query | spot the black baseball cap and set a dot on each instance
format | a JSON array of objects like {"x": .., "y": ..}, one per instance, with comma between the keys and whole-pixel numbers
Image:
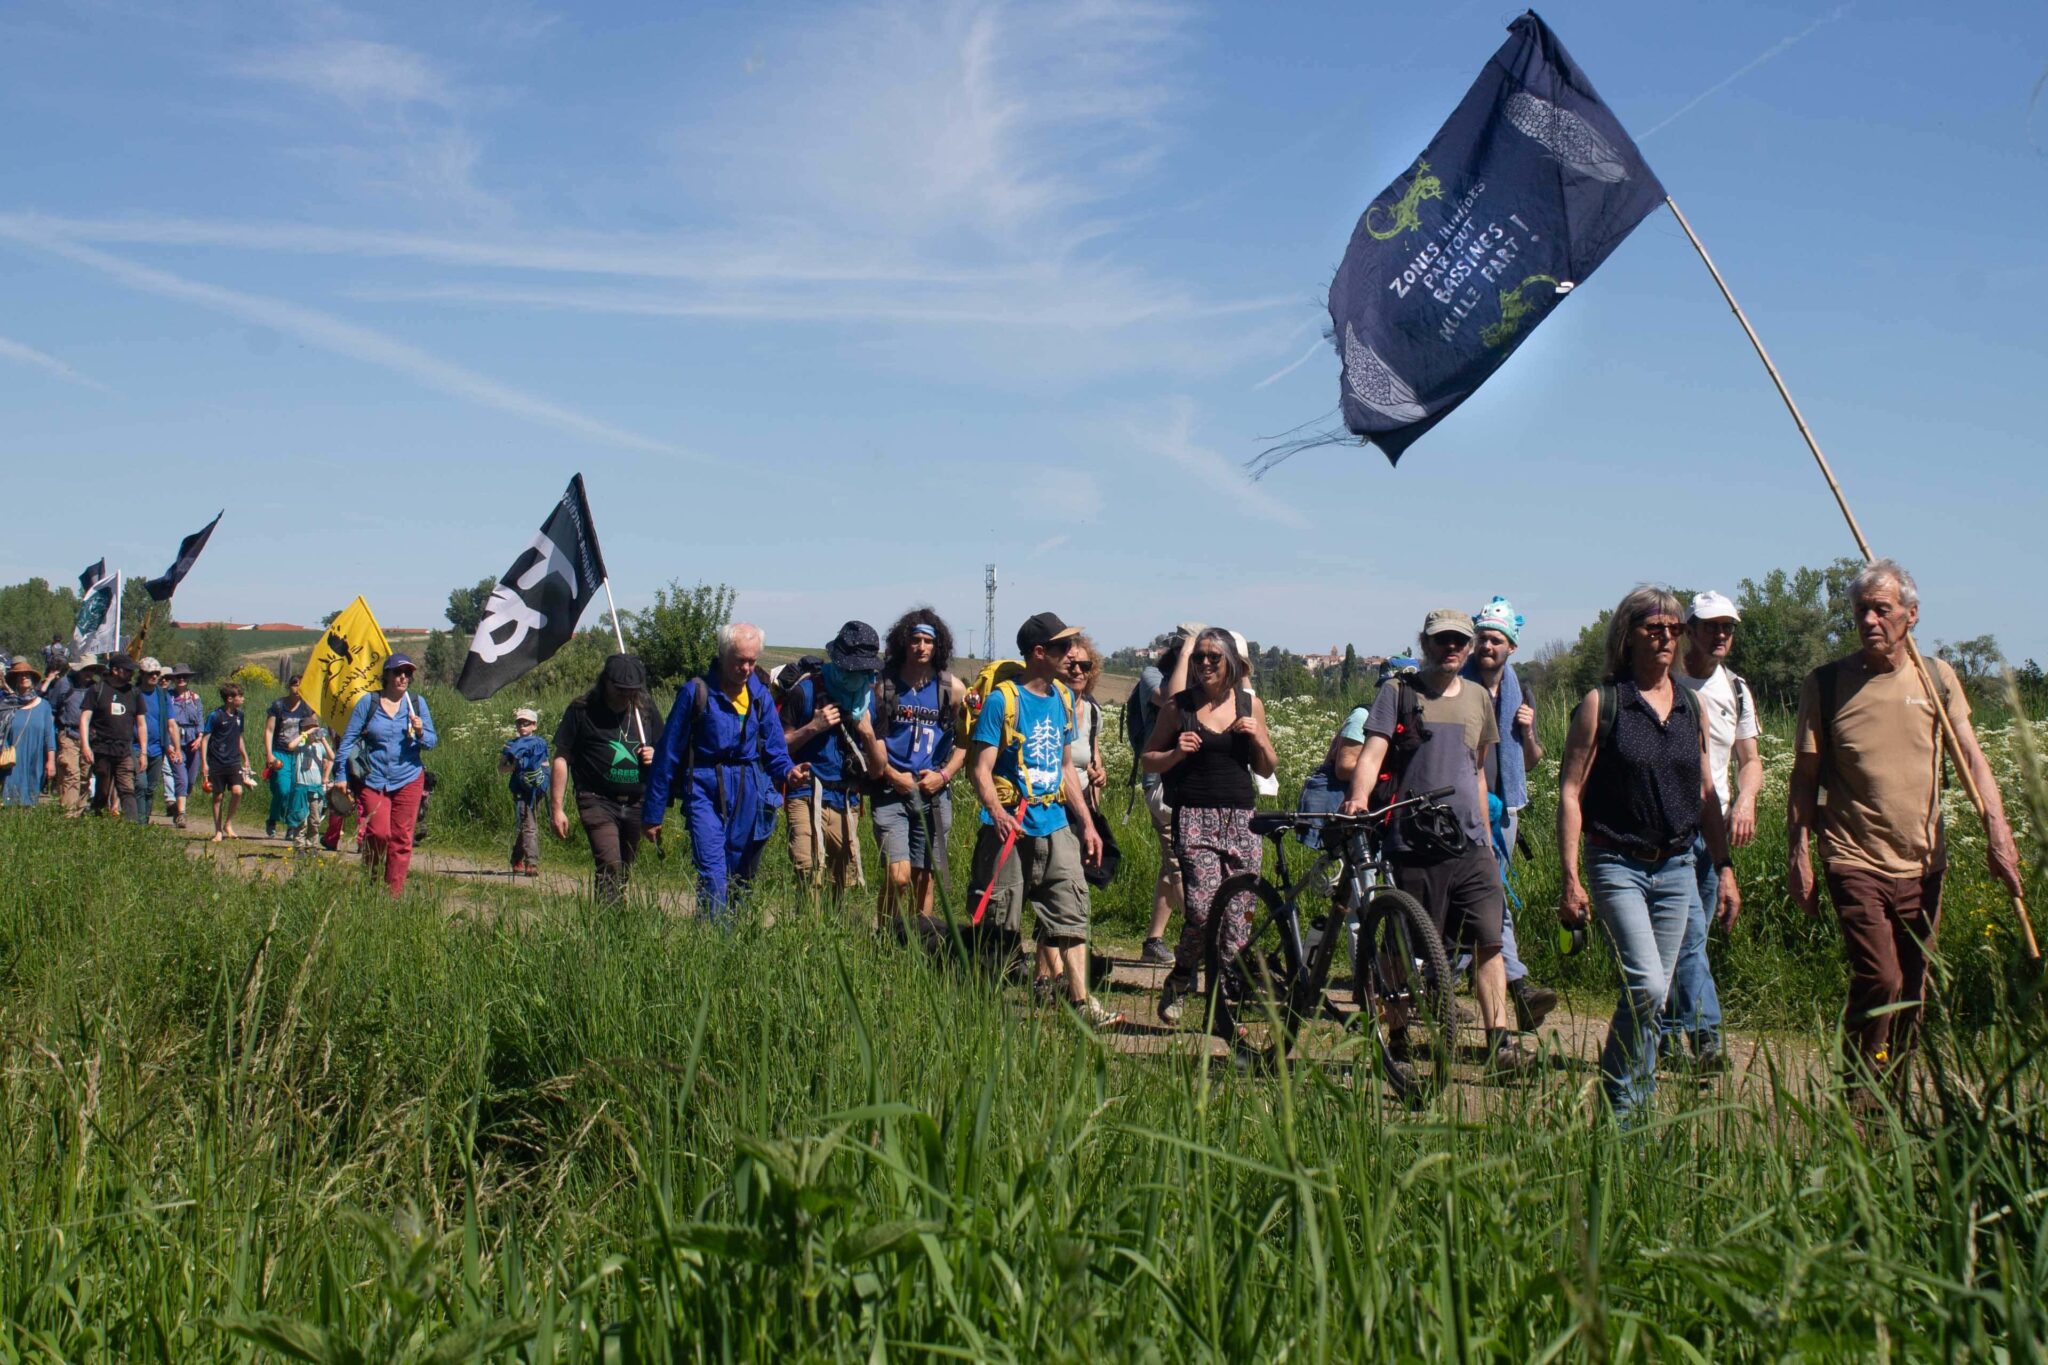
[
  {"x": 121, "y": 661},
  {"x": 624, "y": 672},
  {"x": 1043, "y": 629},
  {"x": 856, "y": 648}
]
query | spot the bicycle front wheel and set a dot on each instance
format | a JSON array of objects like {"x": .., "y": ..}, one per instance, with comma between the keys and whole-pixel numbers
[
  {"x": 1407, "y": 976},
  {"x": 1252, "y": 999}
]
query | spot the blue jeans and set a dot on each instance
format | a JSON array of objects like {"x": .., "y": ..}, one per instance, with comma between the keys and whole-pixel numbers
[
  {"x": 1644, "y": 908},
  {"x": 1509, "y": 958},
  {"x": 1694, "y": 1009}
]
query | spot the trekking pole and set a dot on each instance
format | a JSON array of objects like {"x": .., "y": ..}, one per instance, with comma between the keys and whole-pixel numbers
[
  {"x": 1950, "y": 741},
  {"x": 1009, "y": 842}
]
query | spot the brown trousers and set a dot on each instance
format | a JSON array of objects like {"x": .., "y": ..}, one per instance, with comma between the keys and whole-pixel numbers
[
  {"x": 841, "y": 830},
  {"x": 1888, "y": 924},
  {"x": 613, "y": 828},
  {"x": 72, "y": 776}
]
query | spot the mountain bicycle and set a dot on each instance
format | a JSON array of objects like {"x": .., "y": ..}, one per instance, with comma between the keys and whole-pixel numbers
[{"x": 1281, "y": 980}]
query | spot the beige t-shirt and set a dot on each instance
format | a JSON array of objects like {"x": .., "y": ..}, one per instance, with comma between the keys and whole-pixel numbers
[{"x": 1881, "y": 796}]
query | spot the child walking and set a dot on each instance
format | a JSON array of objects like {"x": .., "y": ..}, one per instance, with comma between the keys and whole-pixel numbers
[
  {"x": 525, "y": 758},
  {"x": 223, "y": 758}
]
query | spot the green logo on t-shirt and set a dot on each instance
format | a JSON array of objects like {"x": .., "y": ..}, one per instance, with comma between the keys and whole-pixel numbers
[{"x": 625, "y": 765}]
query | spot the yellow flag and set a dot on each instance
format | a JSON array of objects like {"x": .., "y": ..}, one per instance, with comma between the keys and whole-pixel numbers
[{"x": 348, "y": 662}]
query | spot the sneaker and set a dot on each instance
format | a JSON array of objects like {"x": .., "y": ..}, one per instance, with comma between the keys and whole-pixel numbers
[
  {"x": 1095, "y": 1014},
  {"x": 1155, "y": 953},
  {"x": 178, "y": 820},
  {"x": 1169, "y": 999},
  {"x": 1510, "y": 1060},
  {"x": 1533, "y": 1004}
]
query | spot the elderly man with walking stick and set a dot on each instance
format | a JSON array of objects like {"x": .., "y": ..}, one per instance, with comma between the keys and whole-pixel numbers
[{"x": 1870, "y": 737}]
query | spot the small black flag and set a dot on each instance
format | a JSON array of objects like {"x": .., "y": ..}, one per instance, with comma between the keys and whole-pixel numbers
[
  {"x": 160, "y": 589},
  {"x": 534, "y": 609},
  {"x": 92, "y": 576},
  {"x": 1519, "y": 196}
]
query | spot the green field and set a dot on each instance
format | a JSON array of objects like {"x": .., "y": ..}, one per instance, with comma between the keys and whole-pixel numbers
[{"x": 292, "y": 1119}]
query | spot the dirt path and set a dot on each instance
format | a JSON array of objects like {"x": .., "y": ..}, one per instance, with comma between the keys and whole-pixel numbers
[{"x": 1568, "y": 1042}]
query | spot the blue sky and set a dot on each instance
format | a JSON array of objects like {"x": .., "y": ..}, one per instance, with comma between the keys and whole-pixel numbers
[{"x": 838, "y": 303}]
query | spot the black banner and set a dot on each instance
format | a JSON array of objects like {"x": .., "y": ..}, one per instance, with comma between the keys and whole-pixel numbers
[
  {"x": 1527, "y": 188},
  {"x": 160, "y": 589},
  {"x": 91, "y": 576},
  {"x": 534, "y": 609}
]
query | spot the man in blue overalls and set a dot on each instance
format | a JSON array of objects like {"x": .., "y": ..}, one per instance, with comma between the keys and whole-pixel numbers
[{"x": 722, "y": 756}]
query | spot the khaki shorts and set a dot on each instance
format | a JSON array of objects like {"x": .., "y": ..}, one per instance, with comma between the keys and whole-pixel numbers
[
  {"x": 1162, "y": 825},
  {"x": 841, "y": 834},
  {"x": 1046, "y": 871}
]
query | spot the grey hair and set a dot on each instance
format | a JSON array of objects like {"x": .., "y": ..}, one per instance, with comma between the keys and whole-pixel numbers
[
  {"x": 730, "y": 635},
  {"x": 1879, "y": 572},
  {"x": 1235, "y": 666},
  {"x": 1652, "y": 599}
]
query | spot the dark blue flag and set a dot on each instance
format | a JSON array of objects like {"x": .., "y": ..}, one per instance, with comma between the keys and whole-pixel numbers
[
  {"x": 1519, "y": 196},
  {"x": 160, "y": 589},
  {"x": 91, "y": 576}
]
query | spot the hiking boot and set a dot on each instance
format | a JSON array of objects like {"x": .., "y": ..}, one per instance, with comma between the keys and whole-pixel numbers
[
  {"x": 1712, "y": 1060},
  {"x": 1533, "y": 1004},
  {"x": 1044, "y": 990},
  {"x": 1097, "y": 1015},
  {"x": 1510, "y": 1060},
  {"x": 1155, "y": 953},
  {"x": 1169, "y": 999},
  {"x": 178, "y": 820}
]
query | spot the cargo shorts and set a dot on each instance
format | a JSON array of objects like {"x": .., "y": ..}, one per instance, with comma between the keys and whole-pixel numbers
[{"x": 1045, "y": 870}]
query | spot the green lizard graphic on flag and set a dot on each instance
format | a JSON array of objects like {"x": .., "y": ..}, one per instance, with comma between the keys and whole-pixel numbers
[{"x": 1406, "y": 218}]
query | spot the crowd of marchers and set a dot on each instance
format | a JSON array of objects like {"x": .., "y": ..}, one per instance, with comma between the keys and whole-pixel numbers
[{"x": 1658, "y": 784}]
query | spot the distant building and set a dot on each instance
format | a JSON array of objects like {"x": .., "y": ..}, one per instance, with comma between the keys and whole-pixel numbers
[
  {"x": 209, "y": 625},
  {"x": 1317, "y": 663}
]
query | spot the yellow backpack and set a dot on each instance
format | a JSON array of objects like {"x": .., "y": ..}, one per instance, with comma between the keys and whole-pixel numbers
[{"x": 1000, "y": 678}]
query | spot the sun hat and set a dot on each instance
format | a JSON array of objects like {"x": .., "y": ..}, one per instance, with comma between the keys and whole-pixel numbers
[
  {"x": 527, "y": 714},
  {"x": 855, "y": 649},
  {"x": 1043, "y": 629},
  {"x": 179, "y": 671},
  {"x": 85, "y": 661},
  {"x": 1712, "y": 606},
  {"x": 1448, "y": 618},
  {"x": 23, "y": 664},
  {"x": 150, "y": 665},
  {"x": 1500, "y": 615}
]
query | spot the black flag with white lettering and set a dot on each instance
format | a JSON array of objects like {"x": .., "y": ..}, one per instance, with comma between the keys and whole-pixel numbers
[
  {"x": 534, "y": 609},
  {"x": 1511, "y": 206},
  {"x": 160, "y": 589}
]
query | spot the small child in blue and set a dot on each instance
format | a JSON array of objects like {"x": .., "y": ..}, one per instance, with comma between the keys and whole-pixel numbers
[{"x": 525, "y": 758}]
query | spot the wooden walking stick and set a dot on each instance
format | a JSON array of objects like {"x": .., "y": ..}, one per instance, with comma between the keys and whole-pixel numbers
[{"x": 1948, "y": 730}]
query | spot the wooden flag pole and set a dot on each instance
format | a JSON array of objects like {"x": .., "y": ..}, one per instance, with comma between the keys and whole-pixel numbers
[
  {"x": 1948, "y": 729},
  {"x": 620, "y": 635}
]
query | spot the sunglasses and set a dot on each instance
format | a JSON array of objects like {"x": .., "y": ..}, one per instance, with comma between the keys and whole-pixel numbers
[
  {"x": 1081, "y": 665},
  {"x": 1450, "y": 639},
  {"x": 1718, "y": 627},
  {"x": 1660, "y": 630},
  {"x": 1207, "y": 656}
]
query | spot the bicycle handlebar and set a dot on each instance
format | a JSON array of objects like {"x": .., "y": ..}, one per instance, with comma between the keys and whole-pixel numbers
[{"x": 1303, "y": 819}]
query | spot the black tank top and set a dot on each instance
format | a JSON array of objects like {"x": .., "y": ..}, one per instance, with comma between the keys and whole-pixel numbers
[
  {"x": 1643, "y": 795},
  {"x": 1218, "y": 776}
]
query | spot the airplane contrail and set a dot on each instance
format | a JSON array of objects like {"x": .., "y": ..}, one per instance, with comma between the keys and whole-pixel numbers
[{"x": 1772, "y": 51}]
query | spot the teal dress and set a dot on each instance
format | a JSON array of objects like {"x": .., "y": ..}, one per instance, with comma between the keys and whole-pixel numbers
[{"x": 33, "y": 732}]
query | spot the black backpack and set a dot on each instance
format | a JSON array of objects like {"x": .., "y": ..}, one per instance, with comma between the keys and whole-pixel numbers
[{"x": 1409, "y": 735}]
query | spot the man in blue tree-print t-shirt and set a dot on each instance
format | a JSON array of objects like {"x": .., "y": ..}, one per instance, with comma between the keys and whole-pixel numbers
[{"x": 1026, "y": 849}]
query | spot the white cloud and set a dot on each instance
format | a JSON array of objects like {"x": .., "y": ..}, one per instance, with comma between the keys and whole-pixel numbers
[
  {"x": 338, "y": 336},
  {"x": 1173, "y": 441},
  {"x": 369, "y": 77},
  {"x": 48, "y": 364}
]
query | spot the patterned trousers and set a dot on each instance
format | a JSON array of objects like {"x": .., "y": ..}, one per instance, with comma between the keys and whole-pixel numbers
[{"x": 1213, "y": 844}]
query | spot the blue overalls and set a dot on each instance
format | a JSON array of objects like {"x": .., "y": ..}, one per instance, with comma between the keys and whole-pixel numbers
[{"x": 726, "y": 771}]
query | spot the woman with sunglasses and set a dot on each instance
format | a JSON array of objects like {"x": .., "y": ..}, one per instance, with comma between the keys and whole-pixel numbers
[
  {"x": 1635, "y": 779},
  {"x": 1081, "y": 669},
  {"x": 1208, "y": 741},
  {"x": 394, "y": 729}
]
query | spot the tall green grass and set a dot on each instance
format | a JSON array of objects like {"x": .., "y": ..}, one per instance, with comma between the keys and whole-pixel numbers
[{"x": 298, "y": 1120}]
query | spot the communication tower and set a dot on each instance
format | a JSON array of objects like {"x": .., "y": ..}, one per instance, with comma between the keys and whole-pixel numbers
[{"x": 988, "y": 612}]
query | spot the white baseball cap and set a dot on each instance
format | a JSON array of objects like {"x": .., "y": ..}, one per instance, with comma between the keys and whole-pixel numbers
[
  {"x": 150, "y": 665},
  {"x": 1712, "y": 606}
]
